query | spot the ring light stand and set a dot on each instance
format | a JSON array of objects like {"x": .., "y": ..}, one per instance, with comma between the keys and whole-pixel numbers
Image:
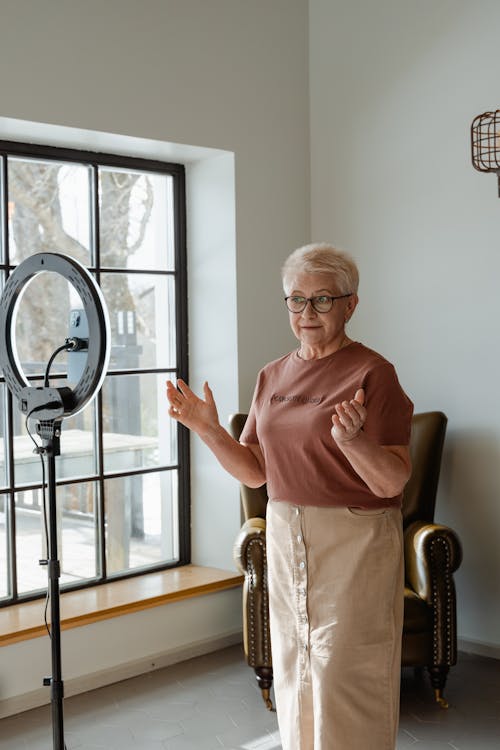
[{"x": 49, "y": 406}]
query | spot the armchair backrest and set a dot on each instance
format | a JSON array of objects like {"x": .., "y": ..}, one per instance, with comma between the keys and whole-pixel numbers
[
  {"x": 253, "y": 501},
  {"x": 426, "y": 447},
  {"x": 419, "y": 498}
]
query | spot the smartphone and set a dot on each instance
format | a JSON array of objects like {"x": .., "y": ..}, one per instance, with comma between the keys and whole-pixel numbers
[{"x": 78, "y": 327}]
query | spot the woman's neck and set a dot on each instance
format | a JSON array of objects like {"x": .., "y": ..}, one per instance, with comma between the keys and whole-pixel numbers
[{"x": 307, "y": 352}]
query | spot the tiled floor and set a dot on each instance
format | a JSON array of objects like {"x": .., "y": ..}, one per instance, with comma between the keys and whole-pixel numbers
[{"x": 212, "y": 702}]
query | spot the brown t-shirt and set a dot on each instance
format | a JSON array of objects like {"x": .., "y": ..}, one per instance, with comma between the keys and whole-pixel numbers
[{"x": 290, "y": 419}]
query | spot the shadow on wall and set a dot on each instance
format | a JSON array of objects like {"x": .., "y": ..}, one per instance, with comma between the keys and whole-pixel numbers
[{"x": 469, "y": 503}]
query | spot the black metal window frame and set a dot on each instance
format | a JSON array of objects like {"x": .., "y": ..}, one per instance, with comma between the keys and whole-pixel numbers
[{"x": 95, "y": 160}]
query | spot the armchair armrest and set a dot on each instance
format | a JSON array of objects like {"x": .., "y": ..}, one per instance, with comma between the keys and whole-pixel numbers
[
  {"x": 249, "y": 553},
  {"x": 250, "y": 545},
  {"x": 432, "y": 554}
]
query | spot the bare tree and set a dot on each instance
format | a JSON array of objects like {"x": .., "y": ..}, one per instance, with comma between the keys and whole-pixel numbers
[{"x": 37, "y": 225}]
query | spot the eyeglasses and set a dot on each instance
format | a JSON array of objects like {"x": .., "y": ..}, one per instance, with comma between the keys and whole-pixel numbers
[{"x": 323, "y": 303}]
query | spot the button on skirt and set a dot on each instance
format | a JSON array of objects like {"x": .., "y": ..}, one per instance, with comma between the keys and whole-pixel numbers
[{"x": 336, "y": 614}]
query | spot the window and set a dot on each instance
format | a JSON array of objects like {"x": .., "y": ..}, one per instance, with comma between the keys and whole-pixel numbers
[{"x": 123, "y": 472}]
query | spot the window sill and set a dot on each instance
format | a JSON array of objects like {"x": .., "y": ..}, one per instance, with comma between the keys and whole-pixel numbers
[{"x": 21, "y": 622}]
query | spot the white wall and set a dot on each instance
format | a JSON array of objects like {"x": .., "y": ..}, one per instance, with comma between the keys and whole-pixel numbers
[
  {"x": 229, "y": 75},
  {"x": 226, "y": 74},
  {"x": 394, "y": 88},
  {"x": 117, "y": 649}
]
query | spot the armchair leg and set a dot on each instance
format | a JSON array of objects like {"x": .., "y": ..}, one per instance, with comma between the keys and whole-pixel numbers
[
  {"x": 265, "y": 680},
  {"x": 438, "y": 677}
]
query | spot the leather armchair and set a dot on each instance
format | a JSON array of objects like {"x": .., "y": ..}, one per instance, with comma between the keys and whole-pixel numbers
[{"x": 432, "y": 554}]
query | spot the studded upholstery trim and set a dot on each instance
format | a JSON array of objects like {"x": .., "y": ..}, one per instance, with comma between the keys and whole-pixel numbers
[
  {"x": 257, "y": 585},
  {"x": 443, "y": 603}
]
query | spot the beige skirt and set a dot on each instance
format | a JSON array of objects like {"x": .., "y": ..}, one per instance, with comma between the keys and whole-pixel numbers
[{"x": 336, "y": 613}]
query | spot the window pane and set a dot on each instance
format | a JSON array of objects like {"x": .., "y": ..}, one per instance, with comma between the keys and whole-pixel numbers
[
  {"x": 79, "y": 554},
  {"x": 78, "y": 445},
  {"x": 141, "y": 521},
  {"x": 49, "y": 209},
  {"x": 136, "y": 429},
  {"x": 27, "y": 465},
  {"x": 3, "y": 440},
  {"x": 136, "y": 219},
  {"x": 30, "y": 541},
  {"x": 42, "y": 323},
  {"x": 4, "y": 568},
  {"x": 77, "y": 538},
  {"x": 142, "y": 317}
]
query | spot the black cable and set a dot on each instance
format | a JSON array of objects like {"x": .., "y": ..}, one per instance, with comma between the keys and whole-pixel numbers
[{"x": 59, "y": 349}]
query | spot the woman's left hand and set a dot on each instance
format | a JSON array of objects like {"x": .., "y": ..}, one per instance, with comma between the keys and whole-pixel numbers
[
  {"x": 349, "y": 418},
  {"x": 384, "y": 468}
]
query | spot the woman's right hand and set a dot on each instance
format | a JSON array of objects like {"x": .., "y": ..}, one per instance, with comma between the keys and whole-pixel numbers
[
  {"x": 243, "y": 462},
  {"x": 194, "y": 413}
]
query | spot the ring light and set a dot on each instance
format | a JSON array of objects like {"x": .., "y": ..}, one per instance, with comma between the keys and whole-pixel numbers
[
  {"x": 50, "y": 405},
  {"x": 98, "y": 327}
]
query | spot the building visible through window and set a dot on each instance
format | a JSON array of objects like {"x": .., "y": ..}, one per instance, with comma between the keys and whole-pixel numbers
[{"x": 122, "y": 491}]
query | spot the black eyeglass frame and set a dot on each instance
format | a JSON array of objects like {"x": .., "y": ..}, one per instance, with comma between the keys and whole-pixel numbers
[{"x": 311, "y": 300}]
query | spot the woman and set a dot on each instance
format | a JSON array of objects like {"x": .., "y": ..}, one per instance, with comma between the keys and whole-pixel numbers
[{"x": 328, "y": 430}]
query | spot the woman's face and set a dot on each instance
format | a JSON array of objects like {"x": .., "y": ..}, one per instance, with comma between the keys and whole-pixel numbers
[{"x": 320, "y": 334}]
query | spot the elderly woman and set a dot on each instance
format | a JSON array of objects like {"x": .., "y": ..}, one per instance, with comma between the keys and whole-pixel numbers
[{"x": 328, "y": 430}]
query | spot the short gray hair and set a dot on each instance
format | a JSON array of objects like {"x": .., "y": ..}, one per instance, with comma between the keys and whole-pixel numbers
[{"x": 320, "y": 257}]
